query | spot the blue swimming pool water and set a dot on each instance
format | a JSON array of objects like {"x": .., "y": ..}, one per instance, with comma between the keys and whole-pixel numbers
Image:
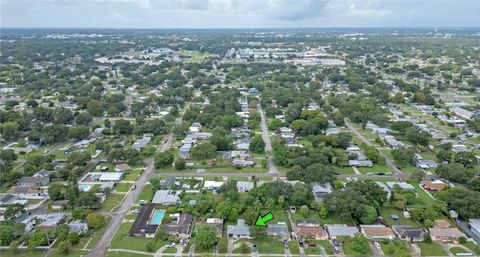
[
  {"x": 157, "y": 217},
  {"x": 85, "y": 188}
]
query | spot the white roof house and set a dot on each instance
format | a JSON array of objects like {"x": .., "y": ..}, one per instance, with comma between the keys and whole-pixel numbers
[
  {"x": 212, "y": 185},
  {"x": 244, "y": 186}
]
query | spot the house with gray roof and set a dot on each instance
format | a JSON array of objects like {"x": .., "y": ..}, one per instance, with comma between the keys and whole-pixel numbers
[
  {"x": 166, "y": 197},
  {"x": 320, "y": 191},
  {"x": 244, "y": 186},
  {"x": 279, "y": 230},
  {"x": 78, "y": 226},
  {"x": 34, "y": 181},
  {"x": 240, "y": 230},
  {"x": 341, "y": 230}
]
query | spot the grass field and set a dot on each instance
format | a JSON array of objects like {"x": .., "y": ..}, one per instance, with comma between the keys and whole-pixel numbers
[
  {"x": 112, "y": 201},
  {"x": 431, "y": 249},
  {"x": 348, "y": 250},
  {"x": 122, "y": 187},
  {"x": 385, "y": 212},
  {"x": 326, "y": 245},
  {"x": 146, "y": 194},
  {"x": 312, "y": 215},
  {"x": 456, "y": 250}
]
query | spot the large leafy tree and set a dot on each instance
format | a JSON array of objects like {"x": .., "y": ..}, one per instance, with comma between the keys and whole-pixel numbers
[{"x": 205, "y": 236}]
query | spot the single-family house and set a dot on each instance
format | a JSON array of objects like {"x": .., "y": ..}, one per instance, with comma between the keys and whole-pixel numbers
[
  {"x": 50, "y": 221},
  {"x": 8, "y": 199},
  {"x": 240, "y": 230},
  {"x": 377, "y": 232},
  {"x": 309, "y": 230},
  {"x": 217, "y": 224},
  {"x": 408, "y": 233},
  {"x": 34, "y": 181},
  {"x": 166, "y": 197},
  {"x": 434, "y": 185},
  {"x": 244, "y": 186},
  {"x": 78, "y": 226},
  {"x": 213, "y": 185},
  {"x": 402, "y": 185},
  {"x": 279, "y": 230},
  {"x": 320, "y": 191},
  {"x": 180, "y": 225},
  {"x": 341, "y": 230},
  {"x": 27, "y": 192},
  {"x": 442, "y": 232},
  {"x": 142, "y": 227},
  {"x": 122, "y": 167}
]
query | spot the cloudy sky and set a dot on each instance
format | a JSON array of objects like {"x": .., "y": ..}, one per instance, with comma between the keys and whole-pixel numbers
[{"x": 239, "y": 13}]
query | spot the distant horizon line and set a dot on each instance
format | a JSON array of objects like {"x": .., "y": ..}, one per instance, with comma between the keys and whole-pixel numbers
[{"x": 236, "y": 28}]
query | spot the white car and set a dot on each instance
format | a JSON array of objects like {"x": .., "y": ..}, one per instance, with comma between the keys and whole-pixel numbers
[
  {"x": 170, "y": 245},
  {"x": 377, "y": 245}
]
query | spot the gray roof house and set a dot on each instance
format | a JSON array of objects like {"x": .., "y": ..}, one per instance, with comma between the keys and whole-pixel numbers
[
  {"x": 238, "y": 231},
  {"x": 180, "y": 226},
  {"x": 244, "y": 186},
  {"x": 279, "y": 230},
  {"x": 166, "y": 197},
  {"x": 78, "y": 226},
  {"x": 341, "y": 230},
  {"x": 406, "y": 232},
  {"x": 34, "y": 181},
  {"x": 321, "y": 191}
]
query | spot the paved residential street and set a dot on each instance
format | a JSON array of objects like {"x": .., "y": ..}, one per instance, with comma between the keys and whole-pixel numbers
[
  {"x": 106, "y": 239},
  {"x": 272, "y": 167}
]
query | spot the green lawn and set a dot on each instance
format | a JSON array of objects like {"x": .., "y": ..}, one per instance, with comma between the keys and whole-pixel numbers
[
  {"x": 456, "y": 250},
  {"x": 72, "y": 253},
  {"x": 222, "y": 245},
  {"x": 326, "y": 245},
  {"x": 146, "y": 194},
  {"x": 269, "y": 245},
  {"x": 312, "y": 215},
  {"x": 122, "y": 187},
  {"x": 470, "y": 245},
  {"x": 170, "y": 250},
  {"x": 23, "y": 253},
  {"x": 337, "y": 220},
  {"x": 312, "y": 250},
  {"x": 348, "y": 250},
  {"x": 131, "y": 175},
  {"x": 293, "y": 245},
  {"x": 431, "y": 249},
  {"x": 278, "y": 216},
  {"x": 112, "y": 201},
  {"x": 125, "y": 254},
  {"x": 376, "y": 168},
  {"x": 385, "y": 212},
  {"x": 344, "y": 170},
  {"x": 96, "y": 236},
  {"x": 122, "y": 240}
]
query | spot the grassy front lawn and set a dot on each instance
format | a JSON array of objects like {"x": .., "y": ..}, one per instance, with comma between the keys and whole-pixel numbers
[
  {"x": 326, "y": 245},
  {"x": 344, "y": 170},
  {"x": 111, "y": 201},
  {"x": 293, "y": 245},
  {"x": 122, "y": 187},
  {"x": 456, "y": 250},
  {"x": 125, "y": 254},
  {"x": 146, "y": 194},
  {"x": 269, "y": 245},
  {"x": 122, "y": 240},
  {"x": 131, "y": 175},
  {"x": 278, "y": 216},
  {"x": 222, "y": 245},
  {"x": 72, "y": 253},
  {"x": 170, "y": 250},
  {"x": 312, "y": 250},
  {"x": 348, "y": 250},
  {"x": 470, "y": 245},
  {"x": 431, "y": 249}
]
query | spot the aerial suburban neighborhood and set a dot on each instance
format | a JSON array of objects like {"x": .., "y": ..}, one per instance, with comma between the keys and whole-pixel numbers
[{"x": 240, "y": 142}]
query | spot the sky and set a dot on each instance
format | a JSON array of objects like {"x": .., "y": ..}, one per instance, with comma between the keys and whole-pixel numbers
[{"x": 238, "y": 13}]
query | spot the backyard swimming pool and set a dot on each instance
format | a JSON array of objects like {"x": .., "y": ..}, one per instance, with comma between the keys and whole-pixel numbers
[
  {"x": 85, "y": 188},
  {"x": 157, "y": 217}
]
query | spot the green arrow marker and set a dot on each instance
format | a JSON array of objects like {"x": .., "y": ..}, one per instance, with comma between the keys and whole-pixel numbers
[{"x": 261, "y": 220}]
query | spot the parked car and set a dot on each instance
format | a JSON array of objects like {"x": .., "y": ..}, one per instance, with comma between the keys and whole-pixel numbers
[
  {"x": 254, "y": 248},
  {"x": 335, "y": 242},
  {"x": 285, "y": 244},
  {"x": 301, "y": 243},
  {"x": 169, "y": 245},
  {"x": 377, "y": 245}
]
